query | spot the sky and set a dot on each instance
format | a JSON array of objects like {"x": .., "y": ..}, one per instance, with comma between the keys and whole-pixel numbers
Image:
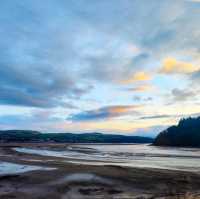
[{"x": 118, "y": 66}]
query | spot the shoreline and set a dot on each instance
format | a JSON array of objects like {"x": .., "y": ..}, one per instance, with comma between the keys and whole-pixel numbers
[{"x": 76, "y": 181}]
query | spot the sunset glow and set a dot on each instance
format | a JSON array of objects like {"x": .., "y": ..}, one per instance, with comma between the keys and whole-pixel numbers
[{"x": 124, "y": 66}]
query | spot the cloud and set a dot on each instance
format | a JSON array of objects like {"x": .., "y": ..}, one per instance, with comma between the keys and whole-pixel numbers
[
  {"x": 139, "y": 98},
  {"x": 172, "y": 66},
  {"x": 53, "y": 56},
  {"x": 195, "y": 1},
  {"x": 25, "y": 96},
  {"x": 148, "y": 99},
  {"x": 155, "y": 117},
  {"x": 59, "y": 54},
  {"x": 104, "y": 113},
  {"x": 111, "y": 60},
  {"x": 137, "y": 77},
  {"x": 182, "y": 94},
  {"x": 34, "y": 68},
  {"x": 195, "y": 77},
  {"x": 142, "y": 88},
  {"x": 35, "y": 120}
]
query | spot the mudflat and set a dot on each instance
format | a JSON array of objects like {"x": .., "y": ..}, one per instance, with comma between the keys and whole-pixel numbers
[{"x": 64, "y": 180}]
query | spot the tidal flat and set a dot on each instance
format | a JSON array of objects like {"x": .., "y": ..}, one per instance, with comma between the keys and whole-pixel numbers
[{"x": 66, "y": 177}]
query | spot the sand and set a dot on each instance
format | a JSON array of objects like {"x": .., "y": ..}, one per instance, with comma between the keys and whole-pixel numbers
[{"x": 74, "y": 181}]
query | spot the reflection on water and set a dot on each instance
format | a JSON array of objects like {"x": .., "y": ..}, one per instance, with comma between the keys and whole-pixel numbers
[
  {"x": 138, "y": 155},
  {"x": 11, "y": 168}
]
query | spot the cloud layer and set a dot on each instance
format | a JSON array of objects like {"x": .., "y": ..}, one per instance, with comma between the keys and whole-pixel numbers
[
  {"x": 104, "y": 113},
  {"x": 71, "y": 57}
]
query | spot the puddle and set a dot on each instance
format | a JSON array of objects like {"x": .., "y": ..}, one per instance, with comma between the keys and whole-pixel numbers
[
  {"x": 12, "y": 168},
  {"x": 86, "y": 178}
]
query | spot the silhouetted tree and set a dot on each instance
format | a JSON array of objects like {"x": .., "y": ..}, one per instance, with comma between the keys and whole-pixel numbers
[{"x": 186, "y": 133}]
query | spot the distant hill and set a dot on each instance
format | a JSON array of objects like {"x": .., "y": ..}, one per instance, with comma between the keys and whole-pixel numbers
[
  {"x": 185, "y": 134},
  {"x": 34, "y": 136}
]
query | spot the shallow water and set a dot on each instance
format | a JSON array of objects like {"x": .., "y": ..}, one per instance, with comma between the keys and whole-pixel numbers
[
  {"x": 11, "y": 168},
  {"x": 86, "y": 177},
  {"x": 138, "y": 155}
]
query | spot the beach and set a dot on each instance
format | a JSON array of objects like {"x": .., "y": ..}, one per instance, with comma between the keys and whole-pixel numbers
[{"x": 41, "y": 177}]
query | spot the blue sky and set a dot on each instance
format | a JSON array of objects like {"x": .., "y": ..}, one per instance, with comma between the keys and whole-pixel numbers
[{"x": 118, "y": 66}]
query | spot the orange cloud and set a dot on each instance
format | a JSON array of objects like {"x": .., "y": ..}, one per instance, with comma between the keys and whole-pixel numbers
[
  {"x": 142, "y": 88},
  {"x": 103, "y": 113},
  {"x": 172, "y": 66},
  {"x": 140, "y": 76},
  {"x": 122, "y": 109}
]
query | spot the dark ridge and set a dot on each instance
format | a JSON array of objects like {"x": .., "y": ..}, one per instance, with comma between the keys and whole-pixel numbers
[{"x": 35, "y": 136}]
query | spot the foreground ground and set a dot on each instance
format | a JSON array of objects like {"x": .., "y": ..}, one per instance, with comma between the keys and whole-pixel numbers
[{"x": 73, "y": 181}]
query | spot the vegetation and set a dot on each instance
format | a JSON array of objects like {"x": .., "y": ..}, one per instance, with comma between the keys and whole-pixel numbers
[
  {"x": 186, "y": 134},
  {"x": 34, "y": 136}
]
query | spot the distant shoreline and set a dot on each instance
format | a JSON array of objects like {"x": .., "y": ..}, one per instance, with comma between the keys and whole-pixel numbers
[{"x": 35, "y": 136}]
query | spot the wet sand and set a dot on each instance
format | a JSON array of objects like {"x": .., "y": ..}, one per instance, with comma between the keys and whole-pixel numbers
[{"x": 74, "y": 181}]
